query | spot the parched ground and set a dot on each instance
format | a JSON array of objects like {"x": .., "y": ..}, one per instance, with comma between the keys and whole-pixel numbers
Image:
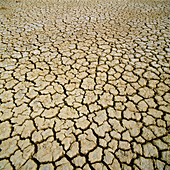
[{"x": 84, "y": 84}]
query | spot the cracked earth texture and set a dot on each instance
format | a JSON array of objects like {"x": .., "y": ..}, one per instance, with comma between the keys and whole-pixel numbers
[{"x": 84, "y": 84}]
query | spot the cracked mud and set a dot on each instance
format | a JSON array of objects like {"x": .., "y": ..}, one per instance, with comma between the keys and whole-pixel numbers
[{"x": 84, "y": 84}]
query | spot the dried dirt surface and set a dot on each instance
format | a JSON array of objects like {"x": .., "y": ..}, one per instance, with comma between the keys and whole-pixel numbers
[{"x": 84, "y": 84}]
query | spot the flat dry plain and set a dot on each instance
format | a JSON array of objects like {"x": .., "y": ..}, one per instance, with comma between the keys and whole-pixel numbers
[{"x": 84, "y": 84}]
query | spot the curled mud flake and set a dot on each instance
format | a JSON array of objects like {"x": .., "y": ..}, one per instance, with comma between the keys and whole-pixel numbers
[
  {"x": 131, "y": 106},
  {"x": 108, "y": 156},
  {"x": 79, "y": 161},
  {"x": 100, "y": 117},
  {"x": 115, "y": 164},
  {"x": 30, "y": 164},
  {"x": 48, "y": 151},
  {"x": 74, "y": 150},
  {"x": 68, "y": 112},
  {"x": 6, "y": 96},
  {"x": 87, "y": 142},
  {"x": 146, "y": 92},
  {"x": 102, "y": 129},
  {"x": 166, "y": 156},
  {"x": 116, "y": 125},
  {"x": 88, "y": 84},
  {"x": 82, "y": 123},
  {"x": 64, "y": 164},
  {"x": 67, "y": 141},
  {"x": 23, "y": 157},
  {"x": 144, "y": 163},
  {"x": 129, "y": 77},
  {"x": 133, "y": 127},
  {"x": 147, "y": 134},
  {"x": 142, "y": 106},
  {"x": 150, "y": 150},
  {"x": 46, "y": 166},
  {"x": 106, "y": 100},
  {"x": 95, "y": 155},
  {"x": 5, "y": 164},
  {"x": 124, "y": 145},
  {"x": 50, "y": 113},
  {"x": 113, "y": 145},
  {"x": 5, "y": 130},
  {"x": 125, "y": 156},
  {"x": 160, "y": 165},
  {"x": 8, "y": 147},
  {"x": 99, "y": 166},
  {"x": 90, "y": 97},
  {"x": 83, "y": 87}
]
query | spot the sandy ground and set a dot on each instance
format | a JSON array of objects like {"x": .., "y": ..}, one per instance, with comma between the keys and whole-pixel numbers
[{"x": 84, "y": 84}]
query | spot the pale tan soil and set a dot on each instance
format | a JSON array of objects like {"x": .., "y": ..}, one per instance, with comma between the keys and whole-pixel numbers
[{"x": 84, "y": 84}]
